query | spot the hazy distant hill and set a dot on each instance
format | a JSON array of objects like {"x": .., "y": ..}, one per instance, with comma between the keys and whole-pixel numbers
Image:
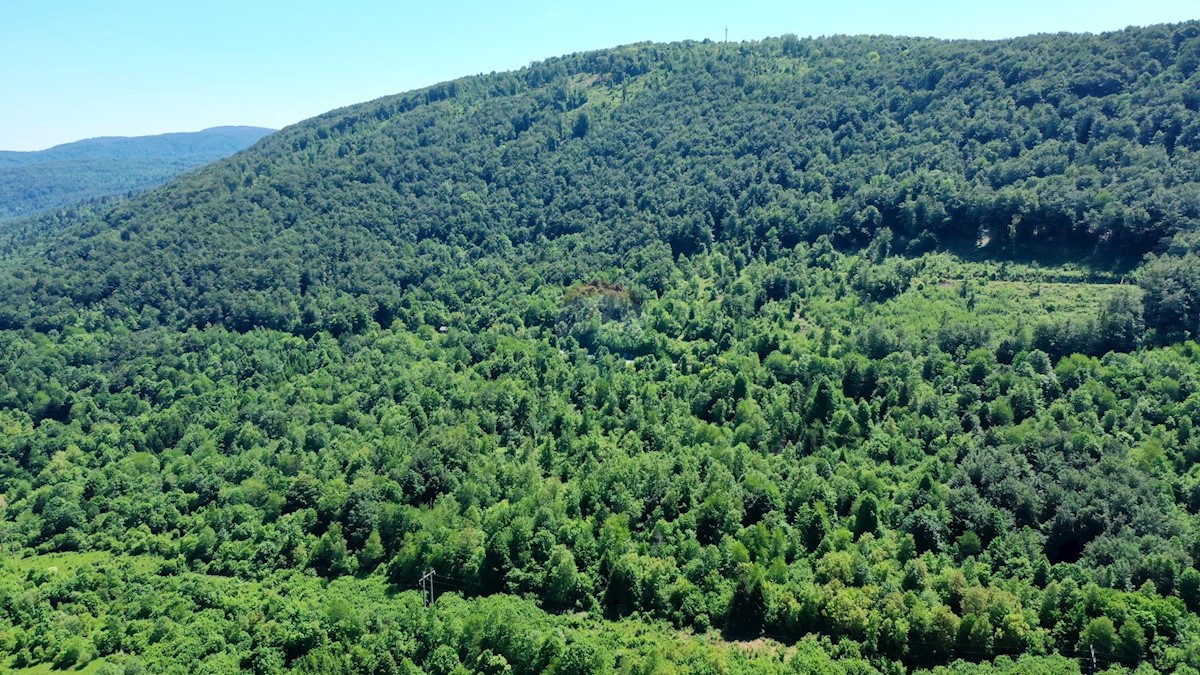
[{"x": 100, "y": 167}]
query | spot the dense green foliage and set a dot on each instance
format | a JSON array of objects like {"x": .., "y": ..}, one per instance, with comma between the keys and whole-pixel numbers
[
  {"x": 31, "y": 182},
  {"x": 794, "y": 356}
]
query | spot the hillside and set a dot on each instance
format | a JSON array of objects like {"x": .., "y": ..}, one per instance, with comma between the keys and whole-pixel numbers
[
  {"x": 1063, "y": 144},
  {"x": 31, "y": 182},
  {"x": 839, "y": 355}
]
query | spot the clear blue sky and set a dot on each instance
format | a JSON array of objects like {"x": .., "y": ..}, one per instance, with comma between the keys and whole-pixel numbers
[{"x": 72, "y": 69}]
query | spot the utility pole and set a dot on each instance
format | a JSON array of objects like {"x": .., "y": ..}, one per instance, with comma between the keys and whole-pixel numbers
[
  {"x": 727, "y": 33},
  {"x": 3, "y": 526},
  {"x": 426, "y": 584}
]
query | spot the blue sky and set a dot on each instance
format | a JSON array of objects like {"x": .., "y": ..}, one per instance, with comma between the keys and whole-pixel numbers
[{"x": 72, "y": 69}]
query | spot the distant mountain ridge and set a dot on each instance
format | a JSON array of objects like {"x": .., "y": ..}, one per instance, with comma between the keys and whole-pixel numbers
[{"x": 31, "y": 182}]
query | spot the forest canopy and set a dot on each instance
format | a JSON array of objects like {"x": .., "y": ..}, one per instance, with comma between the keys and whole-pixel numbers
[{"x": 837, "y": 355}]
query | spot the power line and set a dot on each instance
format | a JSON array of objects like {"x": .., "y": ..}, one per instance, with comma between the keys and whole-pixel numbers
[{"x": 426, "y": 583}]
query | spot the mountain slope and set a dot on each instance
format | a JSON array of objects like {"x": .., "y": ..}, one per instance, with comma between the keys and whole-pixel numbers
[
  {"x": 100, "y": 167},
  {"x": 1067, "y": 143},
  {"x": 782, "y": 357}
]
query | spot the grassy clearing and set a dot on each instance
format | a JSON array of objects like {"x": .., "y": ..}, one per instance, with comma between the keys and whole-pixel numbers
[
  {"x": 89, "y": 668},
  {"x": 61, "y": 562},
  {"x": 1003, "y": 305},
  {"x": 998, "y": 295},
  {"x": 68, "y": 563}
]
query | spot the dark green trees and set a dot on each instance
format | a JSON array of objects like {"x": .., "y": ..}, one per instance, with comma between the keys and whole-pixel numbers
[{"x": 644, "y": 353}]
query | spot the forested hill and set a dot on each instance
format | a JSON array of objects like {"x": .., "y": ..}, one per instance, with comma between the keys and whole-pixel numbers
[
  {"x": 31, "y": 182},
  {"x": 1059, "y": 144},
  {"x": 851, "y": 355}
]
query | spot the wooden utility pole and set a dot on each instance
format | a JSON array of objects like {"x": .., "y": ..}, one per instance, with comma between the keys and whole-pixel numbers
[{"x": 426, "y": 584}]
